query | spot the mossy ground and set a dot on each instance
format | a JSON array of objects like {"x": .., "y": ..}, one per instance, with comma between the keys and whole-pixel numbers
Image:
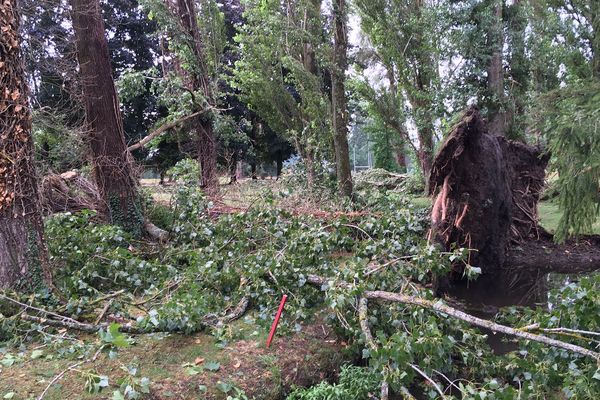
[{"x": 304, "y": 358}]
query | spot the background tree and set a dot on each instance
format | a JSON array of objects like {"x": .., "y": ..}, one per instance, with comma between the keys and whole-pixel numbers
[
  {"x": 339, "y": 102},
  {"x": 570, "y": 114},
  {"x": 111, "y": 162},
  {"x": 279, "y": 74},
  {"x": 404, "y": 38},
  {"x": 23, "y": 251},
  {"x": 201, "y": 80}
]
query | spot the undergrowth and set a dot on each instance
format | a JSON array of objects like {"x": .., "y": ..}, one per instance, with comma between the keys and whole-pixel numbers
[{"x": 210, "y": 263}]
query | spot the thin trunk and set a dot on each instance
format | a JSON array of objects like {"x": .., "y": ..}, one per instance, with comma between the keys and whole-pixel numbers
[
  {"x": 426, "y": 150},
  {"x": 279, "y": 164},
  {"x": 112, "y": 164},
  {"x": 23, "y": 253},
  {"x": 495, "y": 79},
  {"x": 400, "y": 157},
  {"x": 200, "y": 80},
  {"x": 595, "y": 15},
  {"x": 254, "y": 132},
  {"x": 233, "y": 163},
  {"x": 338, "y": 99}
]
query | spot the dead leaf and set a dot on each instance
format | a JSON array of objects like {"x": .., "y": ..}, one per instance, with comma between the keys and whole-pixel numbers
[{"x": 198, "y": 360}]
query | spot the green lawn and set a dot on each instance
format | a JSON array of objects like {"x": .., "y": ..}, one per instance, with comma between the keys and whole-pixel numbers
[{"x": 548, "y": 211}]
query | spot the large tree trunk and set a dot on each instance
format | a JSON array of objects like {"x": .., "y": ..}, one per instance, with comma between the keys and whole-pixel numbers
[
  {"x": 112, "y": 164},
  {"x": 200, "y": 80},
  {"x": 338, "y": 99},
  {"x": 23, "y": 254},
  {"x": 495, "y": 79}
]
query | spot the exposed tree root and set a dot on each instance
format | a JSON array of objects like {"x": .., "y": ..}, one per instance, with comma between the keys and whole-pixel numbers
[
  {"x": 69, "y": 191},
  {"x": 442, "y": 308}
]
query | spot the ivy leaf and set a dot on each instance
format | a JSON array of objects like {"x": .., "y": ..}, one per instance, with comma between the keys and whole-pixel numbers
[
  {"x": 212, "y": 366},
  {"x": 224, "y": 387},
  {"x": 36, "y": 354},
  {"x": 117, "y": 395}
]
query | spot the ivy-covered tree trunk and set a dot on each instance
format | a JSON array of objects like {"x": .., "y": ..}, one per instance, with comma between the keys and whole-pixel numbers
[
  {"x": 338, "y": 99},
  {"x": 112, "y": 164},
  {"x": 200, "y": 80},
  {"x": 23, "y": 254}
]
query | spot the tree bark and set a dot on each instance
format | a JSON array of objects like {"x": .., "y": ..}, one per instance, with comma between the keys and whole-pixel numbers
[
  {"x": 279, "y": 164},
  {"x": 495, "y": 78},
  {"x": 200, "y": 80},
  {"x": 338, "y": 99},
  {"x": 112, "y": 163},
  {"x": 23, "y": 253}
]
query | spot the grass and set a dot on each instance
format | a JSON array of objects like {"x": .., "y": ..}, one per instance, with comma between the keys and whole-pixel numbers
[{"x": 243, "y": 361}]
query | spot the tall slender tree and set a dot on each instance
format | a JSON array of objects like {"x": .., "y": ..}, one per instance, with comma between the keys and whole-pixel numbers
[
  {"x": 495, "y": 72},
  {"x": 22, "y": 248},
  {"x": 200, "y": 80},
  {"x": 404, "y": 36},
  {"x": 338, "y": 98},
  {"x": 112, "y": 164}
]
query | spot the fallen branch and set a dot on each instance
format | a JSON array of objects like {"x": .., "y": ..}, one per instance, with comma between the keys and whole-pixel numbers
[
  {"x": 209, "y": 320},
  {"x": 108, "y": 296},
  {"x": 364, "y": 326},
  {"x": 155, "y": 232},
  {"x": 163, "y": 128},
  {"x": 440, "y": 307},
  {"x": 26, "y": 307}
]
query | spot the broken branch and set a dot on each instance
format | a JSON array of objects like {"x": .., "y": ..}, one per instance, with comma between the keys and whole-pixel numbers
[
  {"x": 442, "y": 308},
  {"x": 163, "y": 128}
]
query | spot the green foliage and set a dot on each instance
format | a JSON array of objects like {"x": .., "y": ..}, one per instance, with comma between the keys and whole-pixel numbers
[
  {"x": 354, "y": 383},
  {"x": 91, "y": 258},
  {"x": 278, "y": 73},
  {"x": 570, "y": 121},
  {"x": 58, "y": 146}
]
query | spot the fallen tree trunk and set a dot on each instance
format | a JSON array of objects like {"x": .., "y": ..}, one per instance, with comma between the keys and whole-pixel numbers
[
  {"x": 442, "y": 308},
  {"x": 486, "y": 192}
]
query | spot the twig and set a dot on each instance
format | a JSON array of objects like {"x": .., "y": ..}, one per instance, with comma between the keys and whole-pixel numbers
[
  {"x": 104, "y": 310},
  {"x": 536, "y": 327},
  {"x": 108, "y": 296},
  {"x": 27, "y": 306},
  {"x": 440, "y": 307},
  {"x": 70, "y": 368},
  {"x": 428, "y": 379}
]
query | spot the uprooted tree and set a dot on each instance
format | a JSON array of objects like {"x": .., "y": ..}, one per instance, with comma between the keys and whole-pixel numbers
[{"x": 486, "y": 191}]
